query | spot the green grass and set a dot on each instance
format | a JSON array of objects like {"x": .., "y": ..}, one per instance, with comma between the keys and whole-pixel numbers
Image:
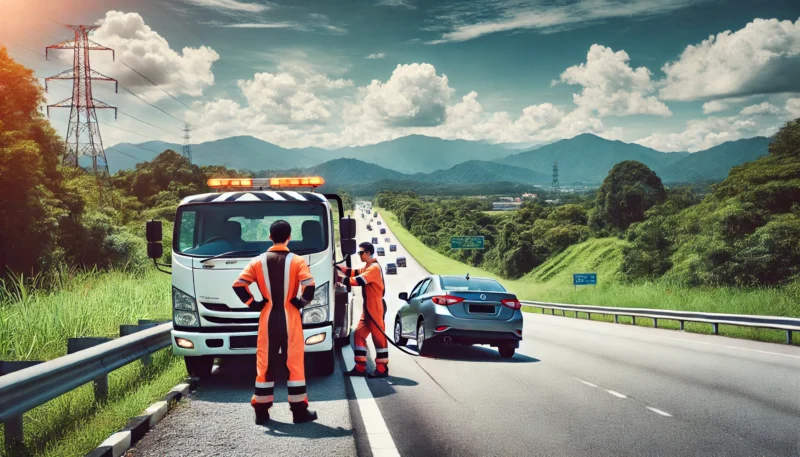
[
  {"x": 35, "y": 326},
  {"x": 552, "y": 282}
]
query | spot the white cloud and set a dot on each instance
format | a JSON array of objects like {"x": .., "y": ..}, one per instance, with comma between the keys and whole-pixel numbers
[
  {"x": 398, "y": 3},
  {"x": 316, "y": 22},
  {"x": 793, "y": 107},
  {"x": 611, "y": 86},
  {"x": 231, "y": 5},
  {"x": 468, "y": 24},
  {"x": 762, "y": 58},
  {"x": 142, "y": 48},
  {"x": 702, "y": 134},
  {"x": 414, "y": 96},
  {"x": 376, "y": 55},
  {"x": 261, "y": 25},
  {"x": 762, "y": 108},
  {"x": 715, "y": 106}
]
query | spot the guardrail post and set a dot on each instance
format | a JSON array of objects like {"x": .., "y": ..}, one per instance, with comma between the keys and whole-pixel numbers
[
  {"x": 681, "y": 323},
  {"x": 655, "y": 323},
  {"x": 13, "y": 434},
  {"x": 101, "y": 383},
  {"x": 589, "y": 316},
  {"x": 634, "y": 319},
  {"x": 616, "y": 319},
  {"x": 788, "y": 337},
  {"x": 716, "y": 328},
  {"x": 128, "y": 329}
]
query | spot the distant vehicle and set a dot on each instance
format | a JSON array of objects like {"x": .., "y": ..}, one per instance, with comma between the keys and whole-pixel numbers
[
  {"x": 459, "y": 310},
  {"x": 374, "y": 240},
  {"x": 392, "y": 247},
  {"x": 387, "y": 239},
  {"x": 401, "y": 261},
  {"x": 381, "y": 251},
  {"x": 391, "y": 269},
  {"x": 379, "y": 222},
  {"x": 383, "y": 230},
  {"x": 375, "y": 214}
]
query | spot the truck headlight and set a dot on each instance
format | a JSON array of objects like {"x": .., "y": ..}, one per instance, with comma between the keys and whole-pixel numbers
[
  {"x": 186, "y": 319},
  {"x": 317, "y": 311},
  {"x": 183, "y": 301}
]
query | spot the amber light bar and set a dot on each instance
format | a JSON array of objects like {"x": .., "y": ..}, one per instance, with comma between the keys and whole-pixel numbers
[
  {"x": 230, "y": 182},
  {"x": 309, "y": 181}
]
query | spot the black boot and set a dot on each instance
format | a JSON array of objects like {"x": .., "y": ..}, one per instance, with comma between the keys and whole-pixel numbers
[
  {"x": 378, "y": 374},
  {"x": 355, "y": 372},
  {"x": 302, "y": 415},
  {"x": 262, "y": 417}
]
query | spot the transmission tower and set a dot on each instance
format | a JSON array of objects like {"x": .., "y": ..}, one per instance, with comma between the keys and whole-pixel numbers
[
  {"x": 83, "y": 132},
  {"x": 556, "y": 189},
  {"x": 187, "y": 141}
]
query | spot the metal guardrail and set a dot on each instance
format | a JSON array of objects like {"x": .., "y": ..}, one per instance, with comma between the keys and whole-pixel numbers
[
  {"x": 28, "y": 388},
  {"x": 788, "y": 324}
]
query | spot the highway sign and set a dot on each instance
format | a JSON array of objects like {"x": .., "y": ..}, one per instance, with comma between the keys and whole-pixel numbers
[
  {"x": 584, "y": 279},
  {"x": 466, "y": 242}
]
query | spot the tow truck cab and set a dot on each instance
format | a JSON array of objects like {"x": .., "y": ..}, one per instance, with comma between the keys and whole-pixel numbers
[{"x": 217, "y": 234}]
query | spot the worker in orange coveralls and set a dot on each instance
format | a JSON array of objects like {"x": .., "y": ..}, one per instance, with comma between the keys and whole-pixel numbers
[
  {"x": 370, "y": 278},
  {"x": 279, "y": 275}
]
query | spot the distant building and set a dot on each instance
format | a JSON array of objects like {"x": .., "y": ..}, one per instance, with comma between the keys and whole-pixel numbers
[
  {"x": 517, "y": 199},
  {"x": 506, "y": 199},
  {"x": 506, "y": 206},
  {"x": 552, "y": 202},
  {"x": 526, "y": 195}
]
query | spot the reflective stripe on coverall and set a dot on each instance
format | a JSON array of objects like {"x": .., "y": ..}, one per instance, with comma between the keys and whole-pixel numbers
[
  {"x": 370, "y": 278},
  {"x": 277, "y": 272}
]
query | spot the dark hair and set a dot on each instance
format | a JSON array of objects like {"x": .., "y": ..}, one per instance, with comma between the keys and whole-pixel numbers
[
  {"x": 280, "y": 231},
  {"x": 367, "y": 246}
]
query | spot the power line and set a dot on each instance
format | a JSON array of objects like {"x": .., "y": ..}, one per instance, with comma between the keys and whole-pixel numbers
[
  {"x": 143, "y": 122},
  {"x": 151, "y": 82},
  {"x": 154, "y": 106}
]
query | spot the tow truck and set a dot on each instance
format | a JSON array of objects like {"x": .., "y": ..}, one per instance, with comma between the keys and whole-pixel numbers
[{"x": 217, "y": 234}]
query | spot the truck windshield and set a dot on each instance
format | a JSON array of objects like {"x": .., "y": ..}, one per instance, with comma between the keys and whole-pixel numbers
[{"x": 216, "y": 228}]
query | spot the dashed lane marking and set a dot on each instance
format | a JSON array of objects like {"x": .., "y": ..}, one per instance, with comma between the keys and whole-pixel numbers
[
  {"x": 587, "y": 383},
  {"x": 616, "y": 394},
  {"x": 380, "y": 440},
  {"x": 658, "y": 411}
]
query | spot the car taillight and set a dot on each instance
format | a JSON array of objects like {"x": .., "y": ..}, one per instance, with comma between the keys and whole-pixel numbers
[
  {"x": 442, "y": 328},
  {"x": 446, "y": 300},
  {"x": 512, "y": 303}
]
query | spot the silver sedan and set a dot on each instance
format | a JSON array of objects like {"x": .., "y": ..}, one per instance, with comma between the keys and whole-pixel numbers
[{"x": 459, "y": 310}]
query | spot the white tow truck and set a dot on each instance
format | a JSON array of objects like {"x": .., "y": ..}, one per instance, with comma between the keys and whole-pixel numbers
[{"x": 217, "y": 234}]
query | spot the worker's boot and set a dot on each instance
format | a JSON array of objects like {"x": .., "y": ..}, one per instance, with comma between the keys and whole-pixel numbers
[
  {"x": 380, "y": 374},
  {"x": 301, "y": 414},
  {"x": 262, "y": 416},
  {"x": 355, "y": 372}
]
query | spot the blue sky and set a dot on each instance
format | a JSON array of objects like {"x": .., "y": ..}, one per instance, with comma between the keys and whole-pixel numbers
[{"x": 669, "y": 74}]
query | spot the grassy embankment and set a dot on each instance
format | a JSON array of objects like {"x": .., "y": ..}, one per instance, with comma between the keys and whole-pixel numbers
[
  {"x": 36, "y": 325},
  {"x": 552, "y": 282}
]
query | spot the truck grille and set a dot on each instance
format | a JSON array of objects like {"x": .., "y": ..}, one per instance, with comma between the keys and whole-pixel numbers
[
  {"x": 225, "y": 308},
  {"x": 231, "y": 320}
]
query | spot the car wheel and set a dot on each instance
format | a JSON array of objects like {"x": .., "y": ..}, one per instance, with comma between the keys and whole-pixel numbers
[
  {"x": 506, "y": 352},
  {"x": 199, "y": 366},
  {"x": 398, "y": 333},
  {"x": 424, "y": 347}
]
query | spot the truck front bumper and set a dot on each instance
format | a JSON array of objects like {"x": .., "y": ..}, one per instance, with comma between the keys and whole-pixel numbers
[{"x": 236, "y": 343}]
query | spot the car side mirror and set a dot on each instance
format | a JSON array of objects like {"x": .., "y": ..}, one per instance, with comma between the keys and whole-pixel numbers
[
  {"x": 153, "y": 231},
  {"x": 404, "y": 296},
  {"x": 347, "y": 229}
]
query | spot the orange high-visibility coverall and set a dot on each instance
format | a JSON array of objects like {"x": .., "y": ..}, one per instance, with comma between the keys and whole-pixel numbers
[
  {"x": 370, "y": 278},
  {"x": 279, "y": 275}
]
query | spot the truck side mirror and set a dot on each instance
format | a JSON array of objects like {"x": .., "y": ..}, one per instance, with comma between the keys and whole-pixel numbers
[
  {"x": 404, "y": 296},
  {"x": 347, "y": 228},
  {"x": 153, "y": 231},
  {"x": 154, "y": 250},
  {"x": 348, "y": 247}
]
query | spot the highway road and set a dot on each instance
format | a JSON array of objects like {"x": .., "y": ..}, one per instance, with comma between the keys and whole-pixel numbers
[{"x": 574, "y": 388}]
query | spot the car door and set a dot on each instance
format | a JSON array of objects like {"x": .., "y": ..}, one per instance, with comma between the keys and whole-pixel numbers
[
  {"x": 414, "y": 305},
  {"x": 406, "y": 315}
]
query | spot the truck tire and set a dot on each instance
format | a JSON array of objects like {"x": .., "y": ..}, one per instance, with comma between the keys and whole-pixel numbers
[
  {"x": 199, "y": 366},
  {"x": 321, "y": 363}
]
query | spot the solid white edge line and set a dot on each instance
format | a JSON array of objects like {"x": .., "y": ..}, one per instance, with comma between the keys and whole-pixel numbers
[
  {"x": 586, "y": 382},
  {"x": 658, "y": 411},
  {"x": 119, "y": 442},
  {"x": 616, "y": 394},
  {"x": 380, "y": 440}
]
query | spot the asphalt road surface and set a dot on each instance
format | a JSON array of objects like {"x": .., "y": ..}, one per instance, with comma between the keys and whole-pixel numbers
[{"x": 574, "y": 388}]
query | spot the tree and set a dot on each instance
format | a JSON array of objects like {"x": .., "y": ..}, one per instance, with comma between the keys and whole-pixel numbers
[
  {"x": 29, "y": 155},
  {"x": 629, "y": 190}
]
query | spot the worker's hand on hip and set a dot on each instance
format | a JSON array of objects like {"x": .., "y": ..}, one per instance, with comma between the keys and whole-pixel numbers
[
  {"x": 259, "y": 305},
  {"x": 299, "y": 304}
]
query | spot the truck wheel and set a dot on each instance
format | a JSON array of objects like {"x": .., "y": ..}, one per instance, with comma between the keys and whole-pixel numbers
[
  {"x": 322, "y": 363},
  {"x": 199, "y": 366}
]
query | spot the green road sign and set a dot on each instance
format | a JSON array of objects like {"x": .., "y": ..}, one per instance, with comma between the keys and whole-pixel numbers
[{"x": 466, "y": 242}]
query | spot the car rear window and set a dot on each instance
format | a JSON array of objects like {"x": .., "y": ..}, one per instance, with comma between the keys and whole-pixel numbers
[{"x": 482, "y": 284}]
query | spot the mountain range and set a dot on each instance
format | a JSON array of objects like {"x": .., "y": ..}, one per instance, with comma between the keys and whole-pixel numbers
[{"x": 584, "y": 159}]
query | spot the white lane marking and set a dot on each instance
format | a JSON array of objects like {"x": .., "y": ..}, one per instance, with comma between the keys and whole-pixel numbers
[
  {"x": 380, "y": 440},
  {"x": 587, "y": 382},
  {"x": 700, "y": 342},
  {"x": 616, "y": 394},
  {"x": 658, "y": 411}
]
